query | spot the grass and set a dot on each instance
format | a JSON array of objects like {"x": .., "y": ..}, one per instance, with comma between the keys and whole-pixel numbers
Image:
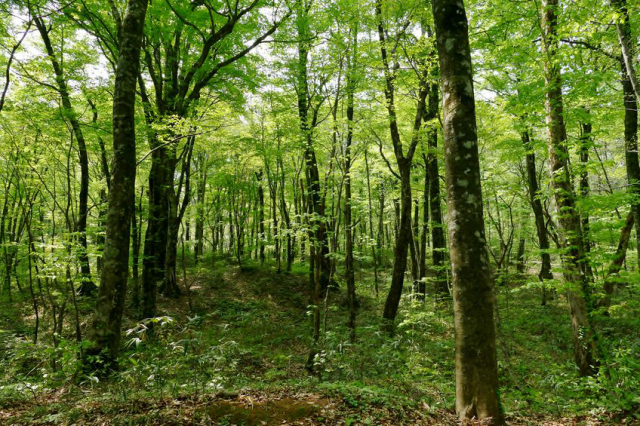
[{"x": 243, "y": 346}]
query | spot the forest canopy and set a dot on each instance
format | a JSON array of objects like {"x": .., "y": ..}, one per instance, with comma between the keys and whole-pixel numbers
[{"x": 319, "y": 212}]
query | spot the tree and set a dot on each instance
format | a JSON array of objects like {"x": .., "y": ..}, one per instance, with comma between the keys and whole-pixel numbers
[
  {"x": 584, "y": 340},
  {"x": 105, "y": 331},
  {"x": 476, "y": 358},
  {"x": 403, "y": 160},
  {"x": 69, "y": 113}
]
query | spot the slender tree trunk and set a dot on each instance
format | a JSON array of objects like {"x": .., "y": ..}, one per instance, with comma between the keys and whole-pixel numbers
[
  {"x": 520, "y": 265},
  {"x": 136, "y": 233},
  {"x": 630, "y": 101},
  {"x": 585, "y": 145},
  {"x": 381, "y": 238},
  {"x": 261, "y": 234},
  {"x": 69, "y": 113},
  {"x": 538, "y": 213},
  {"x": 348, "y": 261},
  {"x": 374, "y": 255},
  {"x": 413, "y": 247},
  {"x": 104, "y": 334},
  {"x": 404, "y": 235},
  {"x": 285, "y": 215},
  {"x": 317, "y": 205},
  {"x": 438, "y": 254},
  {"x": 618, "y": 260},
  {"x": 201, "y": 194},
  {"x": 422, "y": 288},
  {"x": 170, "y": 284},
  {"x": 473, "y": 300},
  {"x": 623, "y": 28},
  {"x": 584, "y": 339}
]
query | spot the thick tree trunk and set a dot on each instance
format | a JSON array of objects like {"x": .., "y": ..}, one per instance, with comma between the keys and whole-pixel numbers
[
  {"x": 104, "y": 334},
  {"x": 584, "y": 339},
  {"x": 155, "y": 240},
  {"x": 476, "y": 358}
]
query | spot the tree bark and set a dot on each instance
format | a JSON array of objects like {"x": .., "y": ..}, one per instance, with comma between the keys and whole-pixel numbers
[
  {"x": 585, "y": 145},
  {"x": 348, "y": 261},
  {"x": 403, "y": 160},
  {"x": 422, "y": 288},
  {"x": 618, "y": 260},
  {"x": 584, "y": 339},
  {"x": 630, "y": 101},
  {"x": 155, "y": 240},
  {"x": 201, "y": 196},
  {"x": 104, "y": 334},
  {"x": 319, "y": 245},
  {"x": 69, "y": 113},
  {"x": 373, "y": 246},
  {"x": 317, "y": 205},
  {"x": 538, "y": 212},
  {"x": 623, "y": 28},
  {"x": 438, "y": 242},
  {"x": 476, "y": 358},
  {"x": 261, "y": 234}
]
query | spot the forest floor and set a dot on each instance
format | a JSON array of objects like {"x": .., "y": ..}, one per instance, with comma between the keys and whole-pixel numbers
[{"x": 234, "y": 351}]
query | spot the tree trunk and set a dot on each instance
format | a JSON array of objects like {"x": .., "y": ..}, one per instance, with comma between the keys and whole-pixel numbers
[
  {"x": 438, "y": 242},
  {"x": 630, "y": 101},
  {"x": 155, "y": 240},
  {"x": 404, "y": 235},
  {"x": 618, "y": 260},
  {"x": 520, "y": 266},
  {"x": 104, "y": 334},
  {"x": 585, "y": 145},
  {"x": 136, "y": 233},
  {"x": 623, "y": 29},
  {"x": 583, "y": 335},
  {"x": 473, "y": 300},
  {"x": 348, "y": 261},
  {"x": 538, "y": 213},
  {"x": 373, "y": 246},
  {"x": 201, "y": 194},
  {"x": 261, "y": 234},
  {"x": 69, "y": 113}
]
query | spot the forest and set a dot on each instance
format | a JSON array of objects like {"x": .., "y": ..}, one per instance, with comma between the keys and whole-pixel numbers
[{"x": 328, "y": 212}]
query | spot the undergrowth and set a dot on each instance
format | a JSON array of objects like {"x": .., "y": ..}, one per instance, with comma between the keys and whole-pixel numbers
[{"x": 249, "y": 330}]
